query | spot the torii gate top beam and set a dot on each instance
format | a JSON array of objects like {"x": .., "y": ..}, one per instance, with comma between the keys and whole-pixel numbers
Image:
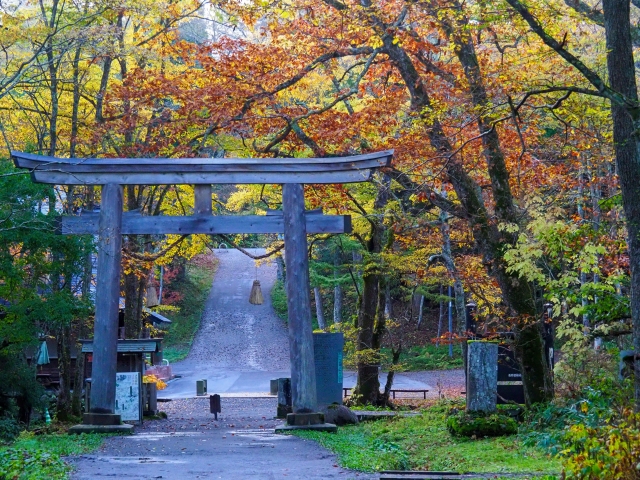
[{"x": 200, "y": 171}]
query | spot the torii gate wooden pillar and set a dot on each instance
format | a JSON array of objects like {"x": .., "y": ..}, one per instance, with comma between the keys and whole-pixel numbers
[{"x": 111, "y": 224}]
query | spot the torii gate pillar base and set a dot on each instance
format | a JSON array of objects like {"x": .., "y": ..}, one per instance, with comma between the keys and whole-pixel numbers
[
  {"x": 101, "y": 423},
  {"x": 101, "y": 419},
  {"x": 306, "y": 421}
]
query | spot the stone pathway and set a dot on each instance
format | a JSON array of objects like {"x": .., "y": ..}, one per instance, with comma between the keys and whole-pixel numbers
[{"x": 190, "y": 444}]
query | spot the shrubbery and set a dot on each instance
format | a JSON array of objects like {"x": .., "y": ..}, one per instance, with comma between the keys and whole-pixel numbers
[
  {"x": 477, "y": 424},
  {"x": 606, "y": 452},
  {"x": 590, "y": 426},
  {"x": 279, "y": 299},
  {"x": 9, "y": 429},
  {"x": 31, "y": 464}
]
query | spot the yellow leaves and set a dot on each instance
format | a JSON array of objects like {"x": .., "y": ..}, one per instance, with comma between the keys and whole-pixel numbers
[
  {"x": 375, "y": 42},
  {"x": 160, "y": 385}
]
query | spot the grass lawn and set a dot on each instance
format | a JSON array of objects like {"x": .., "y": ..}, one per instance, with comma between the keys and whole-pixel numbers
[
  {"x": 38, "y": 457},
  {"x": 427, "y": 357},
  {"x": 186, "y": 321},
  {"x": 423, "y": 443}
]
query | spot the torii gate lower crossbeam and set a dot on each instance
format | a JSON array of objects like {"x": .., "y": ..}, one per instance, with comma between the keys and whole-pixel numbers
[{"x": 112, "y": 174}]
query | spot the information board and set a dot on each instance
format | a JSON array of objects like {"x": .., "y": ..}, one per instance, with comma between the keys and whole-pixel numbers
[{"x": 128, "y": 396}]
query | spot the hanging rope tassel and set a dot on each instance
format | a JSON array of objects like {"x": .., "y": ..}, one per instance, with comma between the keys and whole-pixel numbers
[{"x": 256, "y": 293}]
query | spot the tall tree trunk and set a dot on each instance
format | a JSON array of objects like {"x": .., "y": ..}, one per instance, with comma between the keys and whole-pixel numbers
[
  {"x": 388, "y": 308},
  {"x": 440, "y": 315},
  {"x": 458, "y": 291},
  {"x": 371, "y": 314},
  {"x": 53, "y": 76},
  {"x": 367, "y": 388},
  {"x": 63, "y": 405},
  {"x": 78, "y": 383},
  {"x": 626, "y": 131},
  {"x": 76, "y": 103},
  {"x": 135, "y": 285},
  {"x": 337, "y": 304},
  {"x": 420, "y": 311},
  {"x": 317, "y": 295},
  {"x": 515, "y": 292},
  {"x": 529, "y": 346}
]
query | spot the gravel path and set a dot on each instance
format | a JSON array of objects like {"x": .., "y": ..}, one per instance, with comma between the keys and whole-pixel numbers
[{"x": 234, "y": 334}]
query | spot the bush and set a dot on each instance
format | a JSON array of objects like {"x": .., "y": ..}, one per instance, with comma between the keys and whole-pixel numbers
[
  {"x": 608, "y": 452},
  {"x": 477, "y": 424},
  {"x": 580, "y": 365},
  {"x": 9, "y": 429},
  {"x": 39, "y": 457},
  {"x": 279, "y": 299}
]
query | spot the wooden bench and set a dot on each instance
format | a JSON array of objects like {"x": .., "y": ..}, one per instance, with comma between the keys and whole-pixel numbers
[{"x": 393, "y": 391}]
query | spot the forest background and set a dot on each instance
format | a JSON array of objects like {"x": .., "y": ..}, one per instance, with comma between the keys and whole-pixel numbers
[{"x": 514, "y": 177}]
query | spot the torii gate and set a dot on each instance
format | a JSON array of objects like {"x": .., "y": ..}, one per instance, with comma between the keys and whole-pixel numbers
[{"x": 110, "y": 224}]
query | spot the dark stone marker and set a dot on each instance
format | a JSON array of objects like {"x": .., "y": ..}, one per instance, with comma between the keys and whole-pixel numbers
[
  {"x": 284, "y": 397},
  {"x": 509, "y": 383},
  {"x": 327, "y": 348}
]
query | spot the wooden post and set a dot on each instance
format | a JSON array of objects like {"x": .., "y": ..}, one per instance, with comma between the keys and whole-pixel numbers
[
  {"x": 202, "y": 200},
  {"x": 105, "y": 337},
  {"x": 303, "y": 371},
  {"x": 482, "y": 376}
]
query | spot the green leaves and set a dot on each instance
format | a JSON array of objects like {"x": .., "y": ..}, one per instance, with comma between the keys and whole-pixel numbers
[{"x": 574, "y": 264}]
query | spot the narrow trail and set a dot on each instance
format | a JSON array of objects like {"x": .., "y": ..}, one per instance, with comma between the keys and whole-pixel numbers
[
  {"x": 239, "y": 347},
  {"x": 235, "y": 334}
]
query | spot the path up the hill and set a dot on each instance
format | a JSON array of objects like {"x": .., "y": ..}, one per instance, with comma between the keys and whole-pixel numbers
[
  {"x": 235, "y": 334},
  {"x": 239, "y": 346}
]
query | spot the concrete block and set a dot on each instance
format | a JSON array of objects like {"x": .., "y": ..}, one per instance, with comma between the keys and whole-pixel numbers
[
  {"x": 101, "y": 419},
  {"x": 298, "y": 419}
]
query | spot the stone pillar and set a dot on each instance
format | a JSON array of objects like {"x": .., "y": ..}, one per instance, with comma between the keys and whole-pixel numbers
[
  {"x": 303, "y": 371},
  {"x": 482, "y": 376},
  {"x": 105, "y": 336},
  {"x": 284, "y": 397}
]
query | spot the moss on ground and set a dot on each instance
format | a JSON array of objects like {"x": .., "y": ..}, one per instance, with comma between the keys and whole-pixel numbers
[{"x": 423, "y": 443}]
